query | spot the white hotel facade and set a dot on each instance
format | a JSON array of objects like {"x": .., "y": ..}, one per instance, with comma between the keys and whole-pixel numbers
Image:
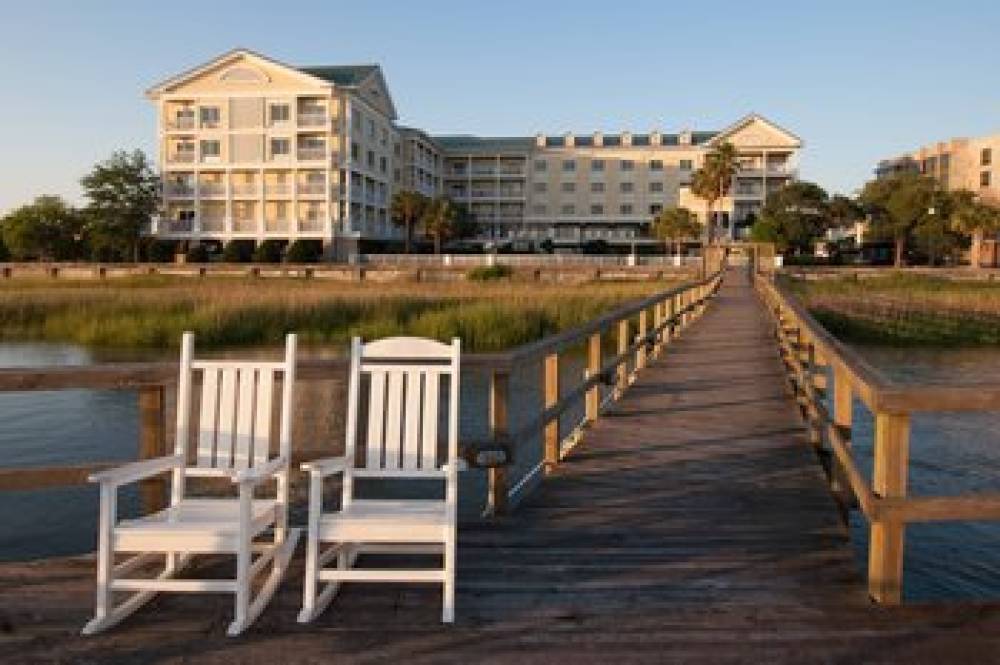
[{"x": 251, "y": 148}]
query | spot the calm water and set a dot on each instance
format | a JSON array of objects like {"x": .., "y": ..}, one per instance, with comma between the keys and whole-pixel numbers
[{"x": 950, "y": 454}]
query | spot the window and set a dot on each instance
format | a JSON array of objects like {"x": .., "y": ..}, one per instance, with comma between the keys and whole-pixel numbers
[
  {"x": 280, "y": 147},
  {"x": 597, "y": 165},
  {"x": 385, "y": 136},
  {"x": 626, "y": 187},
  {"x": 279, "y": 114},
  {"x": 625, "y": 209},
  {"x": 355, "y": 151},
  {"x": 655, "y": 209},
  {"x": 686, "y": 165},
  {"x": 569, "y": 165},
  {"x": 986, "y": 157},
  {"x": 984, "y": 179},
  {"x": 597, "y": 209},
  {"x": 541, "y": 165},
  {"x": 656, "y": 165},
  {"x": 539, "y": 209},
  {"x": 210, "y": 117},
  {"x": 627, "y": 165},
  {"x": 656, "y": 186},
  {"x": 371, "y": 160},
  {"x": 371, "y": 128},
  {"x": 569, "y": 186},
  {"x": 597, "y": 187},
  {"x": 211, "y": 150},
  {"x": 541, "y": 187},
  {"x": 186, "y": 215},
  {"x": 357, "y": 119},
  {"x": 569, "y": 209}
]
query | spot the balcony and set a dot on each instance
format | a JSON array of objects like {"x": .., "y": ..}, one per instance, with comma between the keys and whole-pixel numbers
[
  {"x": 176, "y": 225},
  {"x": 245, "y": 190},
  {"x": 179, "y": 191},
  {"x": 313, "y": 119},
  {"x": 181, "y": 158},
  {"x": 312, "y": 189},
  {"x": 183, "y": 123},
  {"x": 276, "y": 225},
  {"x": 278, "y": 189},
  {"x": 310, "y": 225},
  {"x": 211, "y": 190},
  {"x": 311, "y": 154},
  {"x": 213, "y": 224},
  {"x": 244, "y": 225}
]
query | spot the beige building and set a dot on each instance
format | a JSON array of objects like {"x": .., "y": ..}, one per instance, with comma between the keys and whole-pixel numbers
[
  {"x": 961, "y": 163},
  {"x": 251, "y": 148}
]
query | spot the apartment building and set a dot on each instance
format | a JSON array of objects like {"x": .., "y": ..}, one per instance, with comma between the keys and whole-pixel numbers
[
  {"x": 252, "y": 148},
  {"x": 961, "y": 163}
]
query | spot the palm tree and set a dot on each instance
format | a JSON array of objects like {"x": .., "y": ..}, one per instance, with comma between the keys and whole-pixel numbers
[
  {"x": 407, "y": 209},
  {"x": 675, "y": 224},
  {"x": 975, "y": 218},
  {"x": 714, "y": 180},
  {"x": 440, "y": 221}
]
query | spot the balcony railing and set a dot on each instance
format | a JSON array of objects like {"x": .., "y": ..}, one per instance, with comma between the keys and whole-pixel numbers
[
  {"x": 181, "y": 123},
  {"x": 278, "y": 189},
  {"x": 210, "y": 190},
  {"x": 176, "y": 225},
  {"x": 312, "y": 189},
  {"x": 313, "y": 119},
  {"x": 312, "y": 154},
  {"x": 245, "y": 190},
  {"x": 179, "y": 191},
  {"x": 181, "y": 158},
  {"x": 213, "y": 224},
  {"x": 244, "y": 225},
  {"x": 310, "y": 225},
  {"x": 275, "y": 225}
]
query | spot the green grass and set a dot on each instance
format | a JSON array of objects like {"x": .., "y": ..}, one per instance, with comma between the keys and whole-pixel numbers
[
  {"x": 151, "y": 312},
  {"x": 904, "y": 309}
]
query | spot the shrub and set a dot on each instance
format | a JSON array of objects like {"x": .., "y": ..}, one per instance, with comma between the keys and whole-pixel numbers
[
  {"x": 161, "y": 251},
  {"x": 4, "y": 252},
  {"x": 489, "y": 273},
  {"x": 238, "y": 251},
  {"x": 304, "y": 251},
  {"x": 268, "y": 251},
  {"x": 197, "y": 254}
]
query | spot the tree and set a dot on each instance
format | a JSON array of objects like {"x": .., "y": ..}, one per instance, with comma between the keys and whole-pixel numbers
[
  {"x": 47, "y": 229},
  {"x": 897, "y": 205},
  {"x": 793, "y": 218},
  {"x": 973, "y": 217},
  {"x": 843, "y": 211},
  {"x": 406, "y": 210},
  {"x": 714, "y": 180},
  {"x": 123, "y": 193},
  {"x": 268, "y": 251},
  {"x": 443, "y": 220},
  {"x": 304, "y": 251},
  {"x": 676, "y": 224},
  {"x": 238, "y": 251}
]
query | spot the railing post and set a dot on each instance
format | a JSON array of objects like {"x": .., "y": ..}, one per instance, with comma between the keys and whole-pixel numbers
[
  {"x": 153, "y": 443},
  {"x": 815, "y": 426},
  {"x": 623, "y": 344},
  {"x": 593, "y": 369},
  {"x": 885, "y": 545},
  {"x": 657, "y": 320},
  {"x": 551, "y": 436},
  {"x": 843, "y": 416},
  {"x": 497, "y": 475},
  {"x": 640, "y": 352}
]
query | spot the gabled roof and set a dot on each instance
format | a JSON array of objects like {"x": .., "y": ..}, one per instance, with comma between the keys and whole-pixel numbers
[
  {"x": 344, "y": 76},
  {"x": 749, "y": 119},
  {"x": 235, "y": 53}
]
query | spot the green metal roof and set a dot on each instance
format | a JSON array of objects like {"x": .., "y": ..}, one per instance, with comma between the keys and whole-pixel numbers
[
  {"x": 342, "y": 75},
  {"x": 492, "y": 144}
]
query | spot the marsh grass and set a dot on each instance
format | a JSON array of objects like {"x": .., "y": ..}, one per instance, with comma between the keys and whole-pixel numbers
[
  {"x": 904, "y": 309},
  {"x": 151, "y": 312}
]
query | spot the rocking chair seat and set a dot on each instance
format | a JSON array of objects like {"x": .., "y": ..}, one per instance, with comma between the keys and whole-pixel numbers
[
  {"x": 183, "y": 526},
  {"x": 386, "y": 521}
]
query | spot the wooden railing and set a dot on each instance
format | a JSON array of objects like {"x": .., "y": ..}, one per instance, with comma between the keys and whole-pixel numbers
[
  {"x": 642, "y": 328},
  {"x": 811, "y": 355}
]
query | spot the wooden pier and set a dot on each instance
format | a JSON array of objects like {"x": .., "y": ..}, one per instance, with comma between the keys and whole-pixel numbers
[{"x": 692, "y": 523}]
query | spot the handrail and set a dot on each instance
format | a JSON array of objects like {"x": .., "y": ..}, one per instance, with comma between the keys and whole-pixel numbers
[
  {"x": 671, "y": 308},
  {"x": 807, "y": 351}
]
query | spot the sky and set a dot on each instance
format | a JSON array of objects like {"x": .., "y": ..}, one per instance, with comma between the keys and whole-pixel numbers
[{"x": 857, "y": 81}]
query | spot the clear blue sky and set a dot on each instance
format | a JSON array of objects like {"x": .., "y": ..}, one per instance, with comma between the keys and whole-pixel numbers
[{"x": 856, "y": 80}]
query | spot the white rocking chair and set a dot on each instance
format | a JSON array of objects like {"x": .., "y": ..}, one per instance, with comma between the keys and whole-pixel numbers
[
  {"x": 234, "y": 435},
  {"x": 402, "y": 443}
]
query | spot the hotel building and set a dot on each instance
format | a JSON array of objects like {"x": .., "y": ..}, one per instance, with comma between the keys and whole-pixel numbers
[
  {"x": 251, "y": 148},
  {"x": 961, "y": 163}
]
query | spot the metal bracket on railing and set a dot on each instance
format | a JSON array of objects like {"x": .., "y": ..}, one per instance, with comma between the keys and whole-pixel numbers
[{"x": 488, "y": 454}]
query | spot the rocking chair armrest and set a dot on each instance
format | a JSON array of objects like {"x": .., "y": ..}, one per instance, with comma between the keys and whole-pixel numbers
[
  {"x": 133, "y": 471},
  {"x": 260, "y": 473},
  {"x": 325, "y": 466}
]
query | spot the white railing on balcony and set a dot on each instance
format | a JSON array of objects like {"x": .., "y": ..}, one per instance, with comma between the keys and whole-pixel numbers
[
  {"x": 213, "y": 224},
  {"x": 181, "y": 158},
  {"x": 246, "y": 189},
  {"x": 176, "y": 225},
  {"x": 310, "y": 225},
  {"x": 179, "y": 191},
  {"x": 278, "y": 189},
  {"x": 244, "y": 225},
  {"x": 208, "y": 190},
  {"x": 313, "y": 119},
  {"x": 275, "y": 225},
  {"x": 181, "y": 123},
  {"x": 312, "y": 154},
  {"x": 312, "y": 189}
]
